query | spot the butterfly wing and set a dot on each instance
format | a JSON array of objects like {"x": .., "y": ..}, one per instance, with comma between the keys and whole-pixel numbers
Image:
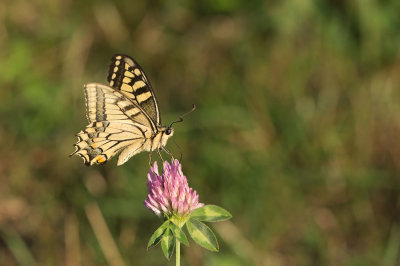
[
  {"x": 127, "y": 76},
  {"x": 116, "y": 124}
]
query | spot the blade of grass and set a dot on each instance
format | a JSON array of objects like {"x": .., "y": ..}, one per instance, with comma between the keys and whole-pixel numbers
[
  {"x": 103, "y": 235},
  {"x": 72, "y": 244},
  {"x": 18, "y": 248}
]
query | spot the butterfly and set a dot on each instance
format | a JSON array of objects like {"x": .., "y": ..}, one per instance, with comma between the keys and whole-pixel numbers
[{"x": 123, "y": 116}]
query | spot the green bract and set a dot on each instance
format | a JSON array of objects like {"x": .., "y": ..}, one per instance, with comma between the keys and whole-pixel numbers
[
  {"x": 202, "y": 234},
  {"x": 179, "y": 234},
  {"x": 168, "y": 243},
  {"x": 157, "y": 235},
  {"x": 210, "y": 213}
]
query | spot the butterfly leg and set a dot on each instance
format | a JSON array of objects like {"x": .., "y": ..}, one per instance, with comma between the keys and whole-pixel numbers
[
  {"x": 150, "y": 156},
  {"x": 159, "y": 153},
  {"x": 168, "y": 152}
]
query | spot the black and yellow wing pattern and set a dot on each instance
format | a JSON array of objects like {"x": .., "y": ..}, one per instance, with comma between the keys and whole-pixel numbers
[
  {"x": 126, "y": 75},
  {"x": 123, "y": 117}
]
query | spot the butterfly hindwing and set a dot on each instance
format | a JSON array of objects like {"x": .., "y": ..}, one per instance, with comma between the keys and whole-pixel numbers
[
  {"x": 99, "y": 142},
  {"x": 116, "y": 124},
  {"x": 126, "y": 75}
]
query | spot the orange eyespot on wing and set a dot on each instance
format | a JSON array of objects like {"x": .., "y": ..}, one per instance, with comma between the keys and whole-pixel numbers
[{"x": 100, "y": 159}]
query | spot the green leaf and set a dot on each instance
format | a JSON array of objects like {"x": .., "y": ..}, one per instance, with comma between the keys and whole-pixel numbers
[
  {"x": 210, "y": 213},
  {"x": 202, "y": 234},
  {"x": 168, "y": 243},
  {"x": 157, "y": 235},
  {"x": 179, "y": 234}
]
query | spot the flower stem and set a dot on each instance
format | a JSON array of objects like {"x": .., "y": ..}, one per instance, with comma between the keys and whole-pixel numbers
[{"x": 178, "y": 253}]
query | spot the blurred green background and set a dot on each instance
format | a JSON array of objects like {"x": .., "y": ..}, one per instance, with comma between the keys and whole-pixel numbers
[{"x": 296, "y": 132}]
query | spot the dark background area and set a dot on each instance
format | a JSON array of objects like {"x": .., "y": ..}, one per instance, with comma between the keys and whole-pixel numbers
[{"x": 296, "y": 132}]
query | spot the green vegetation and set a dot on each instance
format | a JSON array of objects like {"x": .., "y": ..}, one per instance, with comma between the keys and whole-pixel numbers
[{"x": 296, "y": 132}]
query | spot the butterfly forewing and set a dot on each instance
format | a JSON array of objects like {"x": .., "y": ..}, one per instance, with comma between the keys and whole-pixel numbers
[{"x": 127, "y": 76}]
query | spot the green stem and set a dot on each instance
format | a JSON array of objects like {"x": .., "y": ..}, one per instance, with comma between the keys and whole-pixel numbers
[{"x": 178, "y": 253}]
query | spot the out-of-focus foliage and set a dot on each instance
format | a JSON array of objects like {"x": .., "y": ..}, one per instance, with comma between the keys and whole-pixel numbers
[{"x": 296, "y": 132}]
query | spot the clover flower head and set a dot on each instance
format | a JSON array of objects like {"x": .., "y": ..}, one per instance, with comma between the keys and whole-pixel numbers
[{"x": 169, "y": 193}]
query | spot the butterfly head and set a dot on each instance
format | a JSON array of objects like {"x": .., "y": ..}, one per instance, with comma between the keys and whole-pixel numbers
[{"x": 167, "y": 132}]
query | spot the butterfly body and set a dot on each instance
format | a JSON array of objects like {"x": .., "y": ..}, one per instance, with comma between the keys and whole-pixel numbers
[{"x": 123, "y": 117}]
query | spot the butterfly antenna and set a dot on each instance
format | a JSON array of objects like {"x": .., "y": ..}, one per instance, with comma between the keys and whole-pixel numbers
[{"x": 180, "y": 119}]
